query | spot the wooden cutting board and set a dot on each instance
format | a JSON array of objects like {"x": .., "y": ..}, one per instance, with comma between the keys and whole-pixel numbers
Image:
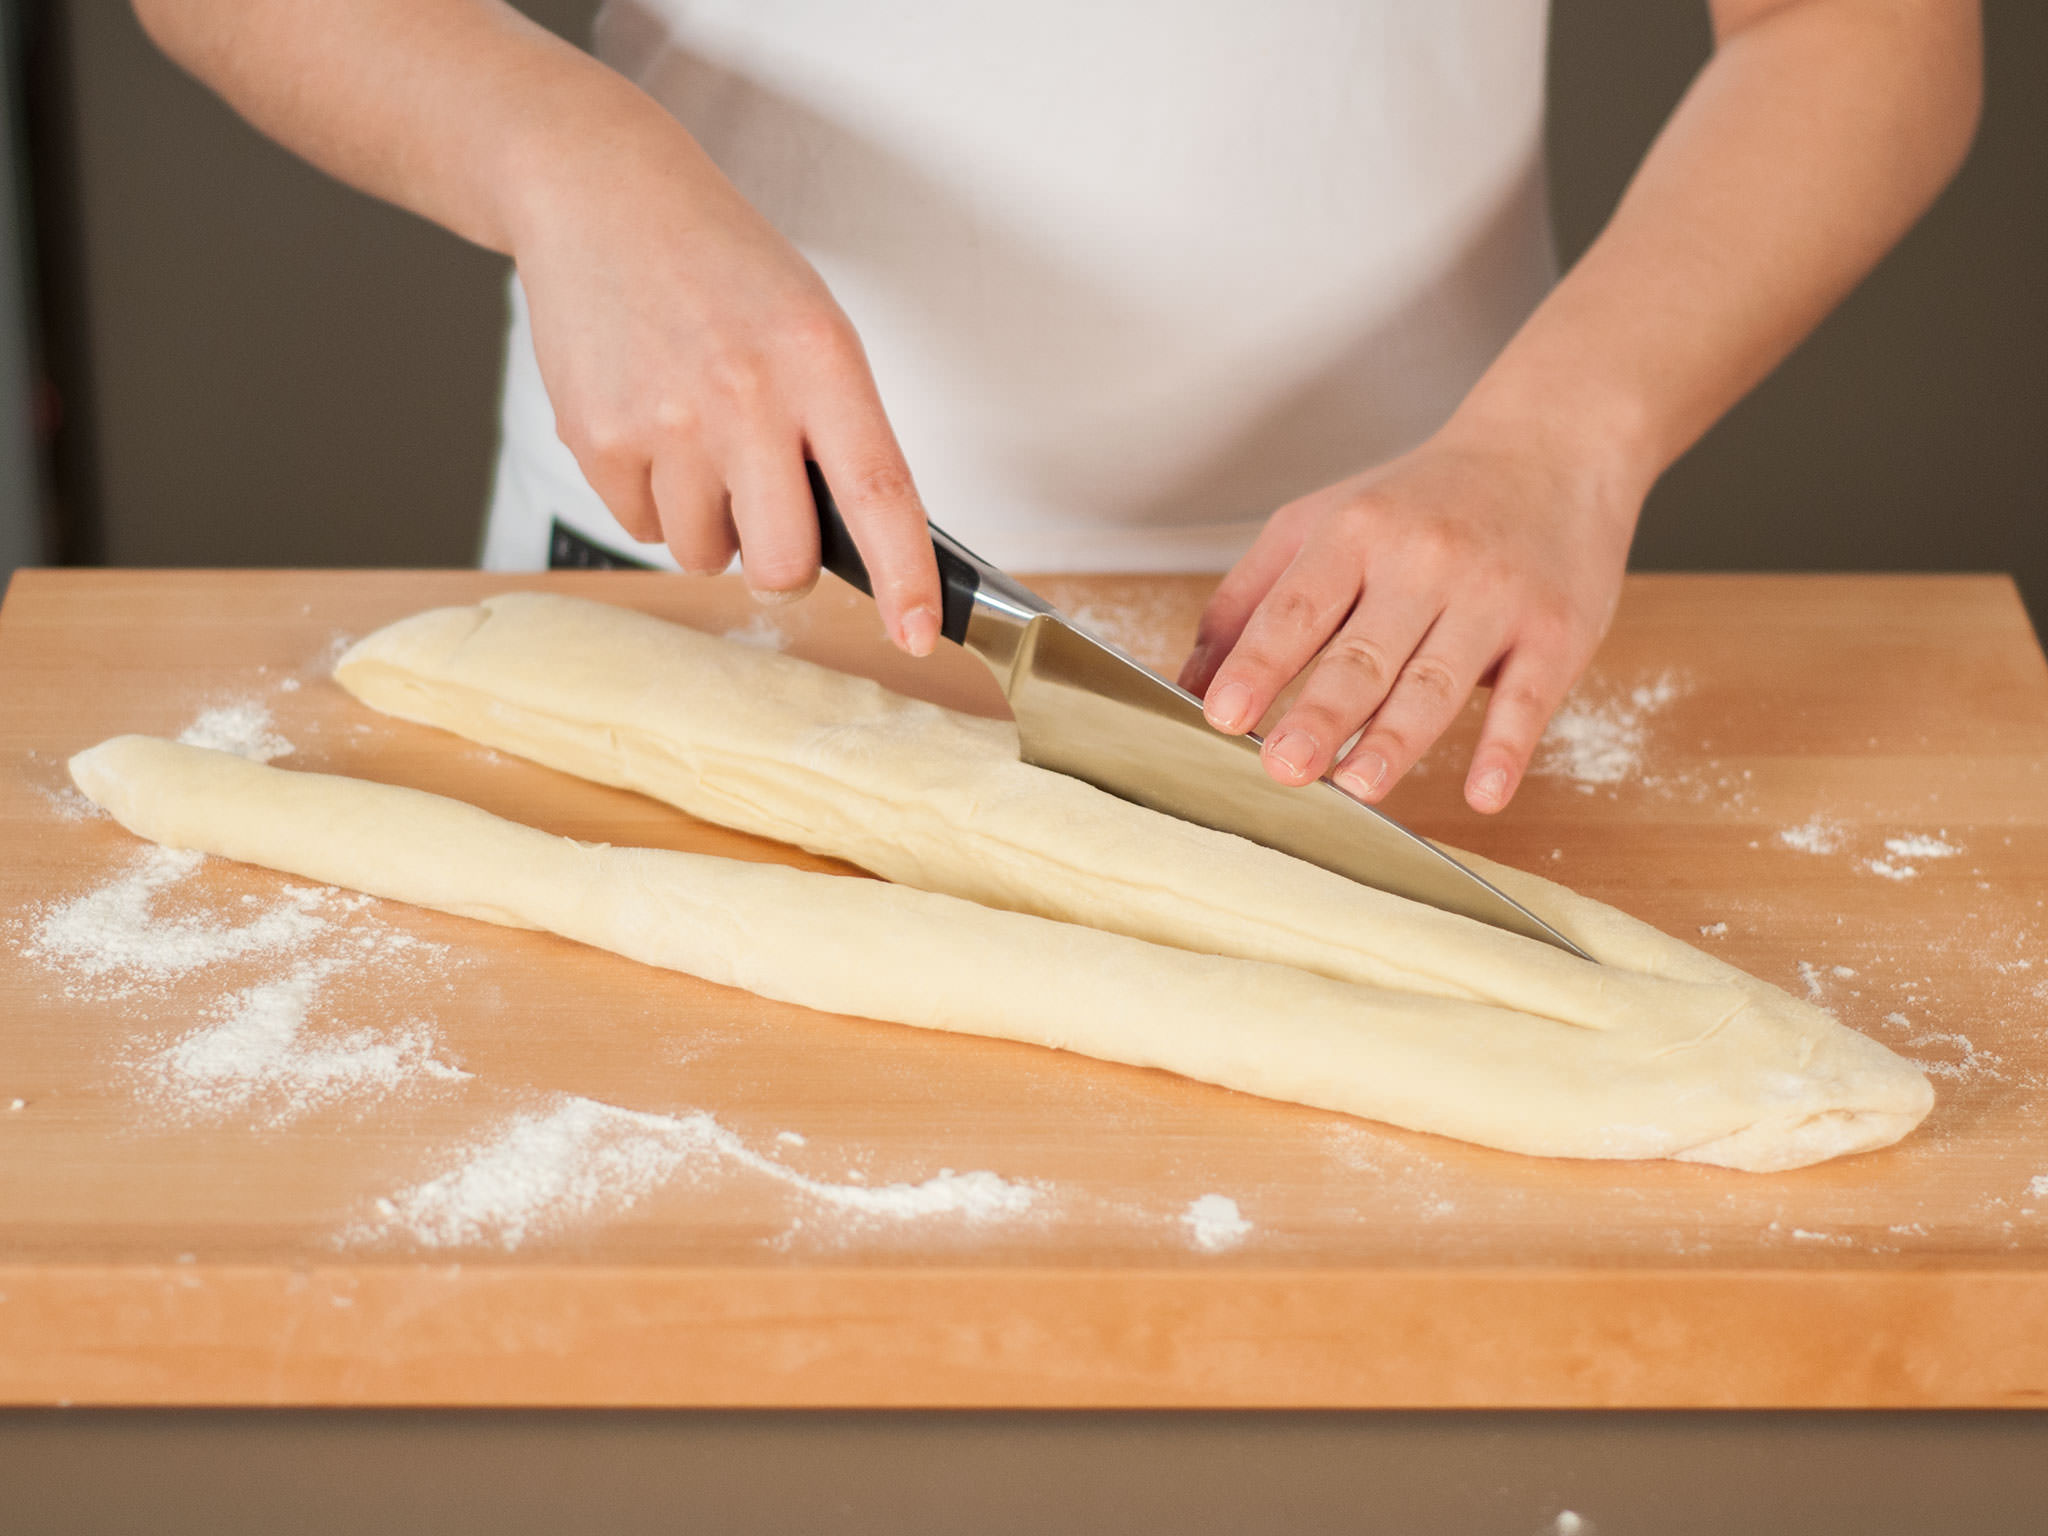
[{"x": 369, "y": 1218}]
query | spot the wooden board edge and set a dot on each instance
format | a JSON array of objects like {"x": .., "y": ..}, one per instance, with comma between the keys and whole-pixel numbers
[{"x": 504, "y": 1335}]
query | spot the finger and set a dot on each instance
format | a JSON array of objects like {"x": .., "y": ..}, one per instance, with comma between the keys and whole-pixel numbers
[
  {"x": 1352, "y": 678},
  {"x": 1432, "y": 687},
  {"x": 1530, "y": 687},
  {"x": 1231, "y": 604},
  {"x": 776, "y": 519},
  {"x": 695, "y": 518},
  {"x": 625, "y": 487},
  {"x": 857, "y": 452},
  {"x": 1287, "y": 627}
]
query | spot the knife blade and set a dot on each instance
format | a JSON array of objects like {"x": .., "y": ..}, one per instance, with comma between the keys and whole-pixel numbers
[{"x": 1085, "y": 709}]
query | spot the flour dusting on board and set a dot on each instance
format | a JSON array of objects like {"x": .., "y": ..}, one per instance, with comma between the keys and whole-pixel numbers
[
  {"x": 1810, "y": 978},
  {"x": 1818, "y": 835},
  {"x": 585, "y": 1159},
  {"x": 1917, "y": 845},
  {"x": 243, "y": 727},
  {"x": 1969, "y": 1060},
  {"x": 239, "y": 982},
  {"x": 1214, "y": 1223},
  {"x": 67, "y": 804},
  {"x": 255, "y": 1053},
  {"x": 1600, "y": 739},
  {"x": 114, "y": 941},
  {"x": 1921, "y": 846}
]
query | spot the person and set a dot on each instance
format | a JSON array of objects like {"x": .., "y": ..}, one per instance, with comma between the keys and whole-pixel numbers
[{"x": 1129, "y": 284}]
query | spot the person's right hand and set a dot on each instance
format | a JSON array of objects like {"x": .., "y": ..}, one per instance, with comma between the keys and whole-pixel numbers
[{"x": 695, "y": 359}]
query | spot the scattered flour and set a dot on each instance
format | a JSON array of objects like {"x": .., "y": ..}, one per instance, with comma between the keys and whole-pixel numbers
[
  {"x": 761, "y": 632},
  {"x": 254, "y": 1052},
  {"x": 585, "y": 1159},
  {"x": 1822, "y": 836},
  {"x": 1571, "y": 1523},
  {"x": 1973, "y": 1062},
  {"x": 1815, "y": 836},
  {"x": 1601, "y": 741},
  {"x": 1713, "y": 930},
  {"x": 338, "y": 645},
  {"x": 68, "y": 804},
  {"x": 1809, "y": 973},
  {"x": 541, "y": 1171},
  {"x": 139, "y": 937},
  {"x": 243, "y": 728},
  {"x": 1214, "y": 1223},
  {"x": 1920, "y": 846},
  {"x": 113, "y": 939},
  {"x": 1801, "y": 1234},
  {"x": 2038, "y": 1186}
]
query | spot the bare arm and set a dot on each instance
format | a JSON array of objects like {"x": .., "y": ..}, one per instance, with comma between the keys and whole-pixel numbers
[
  {"x": 1809, "y": 143},
  {"x": 1820, "y": 131},
  {"x": 693, "y": 357}
]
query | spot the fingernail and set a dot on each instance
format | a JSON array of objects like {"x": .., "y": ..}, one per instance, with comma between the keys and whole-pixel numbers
[
  {"x": 921, "y": 630},
  {"x": 1292, "y": 750},
  {"x": 1491, "y": 786},
  {"x": 775, "y": 597},
  {"x": 1363, "y": 774},
  {"x": 1228, "y": 706}
]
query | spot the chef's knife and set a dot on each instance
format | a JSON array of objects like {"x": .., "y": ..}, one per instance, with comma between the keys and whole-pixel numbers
[{"x": 1086, "y": 709}]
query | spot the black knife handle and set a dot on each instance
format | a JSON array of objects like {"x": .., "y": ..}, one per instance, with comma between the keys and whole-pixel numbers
[{"x": 959, "y": 575}]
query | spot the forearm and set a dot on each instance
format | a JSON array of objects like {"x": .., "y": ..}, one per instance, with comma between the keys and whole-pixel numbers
[
  {"x": 693, "y": 359},
  {"x": 1814, "y": 137},
  {"x": 462, "y": 111}
]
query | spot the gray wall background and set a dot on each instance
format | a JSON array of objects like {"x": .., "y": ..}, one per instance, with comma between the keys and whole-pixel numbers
[
  {"x": 277, "y": 371},
  {"x": 23, "y": 536}
]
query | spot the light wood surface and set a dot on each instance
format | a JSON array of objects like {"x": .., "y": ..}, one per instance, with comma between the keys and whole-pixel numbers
[{"x": 154, "y": 1252}]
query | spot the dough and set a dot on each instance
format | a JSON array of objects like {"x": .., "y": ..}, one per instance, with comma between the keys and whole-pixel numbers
[{"x": 1750, "y": 1086}]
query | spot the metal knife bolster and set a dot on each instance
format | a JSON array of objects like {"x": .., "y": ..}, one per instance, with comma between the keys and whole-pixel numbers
[
  {"x": 1086, "y": 710},
  {"x": 1000, "y": 615}
]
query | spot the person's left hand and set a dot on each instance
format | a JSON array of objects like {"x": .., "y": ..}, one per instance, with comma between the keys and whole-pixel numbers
[{"x": 1470, "y": 560}]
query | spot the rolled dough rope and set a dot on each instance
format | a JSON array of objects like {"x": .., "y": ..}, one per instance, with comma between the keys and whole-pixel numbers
[{"x": 1744, "y": 1090}]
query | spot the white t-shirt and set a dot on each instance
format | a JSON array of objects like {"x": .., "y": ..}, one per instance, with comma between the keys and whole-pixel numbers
[{"x": 1131, "y": 273}]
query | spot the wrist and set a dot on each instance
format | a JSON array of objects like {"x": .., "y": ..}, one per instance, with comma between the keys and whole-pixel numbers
[
  {"x": 601, "y": 136},
  {"x": 1598, "y": 452}
]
